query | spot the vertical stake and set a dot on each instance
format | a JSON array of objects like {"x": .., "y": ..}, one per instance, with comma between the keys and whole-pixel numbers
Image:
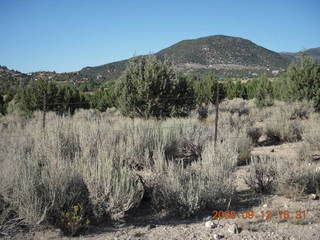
[
  {"x": 217, "y": 116},
  {"x": 44, "y": 109}
]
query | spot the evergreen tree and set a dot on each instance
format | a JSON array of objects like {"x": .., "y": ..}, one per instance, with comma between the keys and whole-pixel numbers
[
  {"x": 304, "y": 79},
  {"x": 264, "y": 92},
  {"x": 150, "y": 88},
  {"x": 2, "y": 105},
  {"x": 55, "y": 98}
]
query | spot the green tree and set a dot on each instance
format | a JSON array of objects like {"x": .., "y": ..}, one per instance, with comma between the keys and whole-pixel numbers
[
  {"x": 102, "y": 99},
  {"x": 2, "y": 105},
  {"x": 205, "y": 90},
  {"x": 236, "y": 90},
  {"x": 251, "y": 87},
  {"x": 150, "y": 88},
  {"x": 304, "y": 79},
  {"x": 264, "y": 92},
  {"x": 60, "y": 99}
]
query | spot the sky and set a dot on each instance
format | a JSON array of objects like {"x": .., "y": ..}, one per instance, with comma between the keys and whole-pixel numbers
[{"x": 67, "y": 35}]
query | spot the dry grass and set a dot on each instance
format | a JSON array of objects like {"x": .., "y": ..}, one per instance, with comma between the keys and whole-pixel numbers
[
  {"x": 280, "y": 127},
  {"x": 100, "y": 161},
  {"x": 93, "y": 161},
  {"x": 284, "y": 176}
]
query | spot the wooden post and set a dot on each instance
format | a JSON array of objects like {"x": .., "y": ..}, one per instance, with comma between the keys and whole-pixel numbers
[
  {"x": 217, "y": 115},
  {"x": 44, "y": 109}
]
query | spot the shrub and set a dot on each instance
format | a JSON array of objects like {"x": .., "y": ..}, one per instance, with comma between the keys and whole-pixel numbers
[
  {"x": 236, "y": 105},
  {"x": 304, "y": 78},
  {"x": 295, "y": 181},
  {"x": 263, "y": 173},
  {"x": 3, "y": 109},
  {"x": 206, "y": 184},
  {"x": 279, "y": 128},
  {"x": 300, "y": 110},
  {"x": 202, "y": 113},
  {"x": 72, "y": 221},
  {"x": 311, "y": 139},
  {"x": 311, "y": 134},
  {"x": 150, "y": 88},
  {"x": 283, "y": 176},
  {"x": 254, "y": 133},
  {"x": 61, "y": 99},
  {"x": 264, "y": 93},
  {"x": 205, "y": 90}
]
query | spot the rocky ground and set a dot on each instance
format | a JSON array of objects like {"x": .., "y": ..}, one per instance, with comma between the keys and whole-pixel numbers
[{"x": 283, "y": 218}]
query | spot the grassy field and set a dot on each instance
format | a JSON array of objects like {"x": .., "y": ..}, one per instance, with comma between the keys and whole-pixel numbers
[{"x": 93, "y": 168}]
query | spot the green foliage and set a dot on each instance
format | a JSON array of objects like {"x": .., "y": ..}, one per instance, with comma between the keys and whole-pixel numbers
[
  {"x": 282, "y": 88},
  {"x": 304, "y": 79},
  {"x": 2, "y": 105},
  {"x": 56, "y": 98},
  {"x": 102, "y": 99},
  {"x": 205, "y": 89},
  {"x": 236, "y": 90},
  {"x": 251, "y": 87},
  {"x": 222, "y": 49},
  {"x": 150, "y": 88},
  {"x": 72, "y": 222},
  {"x": 264, "y": 92}
]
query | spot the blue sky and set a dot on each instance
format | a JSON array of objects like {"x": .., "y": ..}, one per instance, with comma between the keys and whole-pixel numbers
[{"x": 67, "y": 35}]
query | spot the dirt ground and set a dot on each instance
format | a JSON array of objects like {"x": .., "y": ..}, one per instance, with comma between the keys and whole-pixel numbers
[{"x": 281, "y": 217}]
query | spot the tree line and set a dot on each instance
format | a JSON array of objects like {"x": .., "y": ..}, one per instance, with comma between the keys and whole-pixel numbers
[{"x": 150, "y": 87}]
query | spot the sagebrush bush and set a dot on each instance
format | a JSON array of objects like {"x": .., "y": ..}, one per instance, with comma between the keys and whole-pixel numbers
[
  {"x": 263, "y": 174},
  {"x": 311, "y": 134},
  {"x": 233, "y": 127},
  {"x": 108, "y": 164},
  {"x": 96, "y": 162},
  {"x": 295, "y": 181},
  {"x": 283, "y": 176},
  {"x": 236, "y": 105},
  {"x": 311, "y": 139},
  {"x": 206, "y": 184},
  {"x": 279, "y": 127},
  {"x": 254, "y": 133},
  {"x": 294, "y": 110}
]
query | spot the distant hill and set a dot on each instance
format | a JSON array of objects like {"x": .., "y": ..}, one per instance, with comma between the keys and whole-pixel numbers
[
  {"x": 11, "y": 79},
  {"x": 222, "y": 55},
  {"x": 214, "y": 53},
  {"x": 312, "y": 52}
]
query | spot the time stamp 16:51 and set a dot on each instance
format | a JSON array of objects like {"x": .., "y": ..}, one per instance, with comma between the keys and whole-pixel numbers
[{"x": 263, "y": 214}]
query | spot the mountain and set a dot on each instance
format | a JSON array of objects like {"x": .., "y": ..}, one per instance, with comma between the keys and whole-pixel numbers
[
  {"x": 220, "y": 54},
  {"x": 11, "y": 79},
  {"x": 312, "y": 52}
]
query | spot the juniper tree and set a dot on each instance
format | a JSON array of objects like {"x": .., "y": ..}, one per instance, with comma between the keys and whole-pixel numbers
[
  {"x": 304, "y": 80},
  {"x": 150, "y": 88}
]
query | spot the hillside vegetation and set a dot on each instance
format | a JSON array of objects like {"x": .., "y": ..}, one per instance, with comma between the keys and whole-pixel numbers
[{"x": 213, "y": 52}]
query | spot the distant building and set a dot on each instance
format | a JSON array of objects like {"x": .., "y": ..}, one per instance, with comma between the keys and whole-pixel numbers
[{"x": 275, "y": 72}]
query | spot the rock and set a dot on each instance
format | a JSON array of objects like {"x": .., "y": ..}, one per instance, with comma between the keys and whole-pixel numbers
[
  {"x": 151, "y": 226},
  {"x": 217, "y": 236},
  {"x": 316, "y": 157},
  {"x": 262, "y": 139},
  {"x": 233, "y": 229},
  {"x": 313, "y": 196},
  {"x": 272, "y": 150},
  {"x": 210, "y": 224}
]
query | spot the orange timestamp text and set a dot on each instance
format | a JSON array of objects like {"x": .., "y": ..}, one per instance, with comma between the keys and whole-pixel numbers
[{"x": 263, "y": 214}]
